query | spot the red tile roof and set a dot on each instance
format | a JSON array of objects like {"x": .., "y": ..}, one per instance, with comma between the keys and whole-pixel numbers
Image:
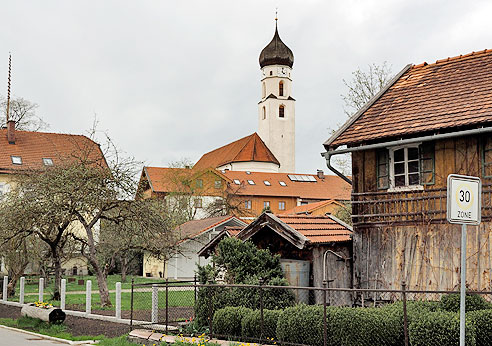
[
  {"x": 331, "y": 187},
  {"x": 451, "y": 93},
  {"x": 309, "y": 208},
  {"x": 194, "y": 228},
  {"x": 249, "y": 148},
  {"x": 163, "y": 179},
  {"x": 32, "y": 147},
  {"x": 318, "y": 229}
]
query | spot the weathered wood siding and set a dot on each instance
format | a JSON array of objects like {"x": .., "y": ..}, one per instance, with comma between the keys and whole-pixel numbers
[{"x": 405, "y": 236}]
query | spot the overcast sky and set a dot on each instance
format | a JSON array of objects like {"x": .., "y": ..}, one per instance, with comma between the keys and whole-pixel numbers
[{"x": 174, "y": 79}]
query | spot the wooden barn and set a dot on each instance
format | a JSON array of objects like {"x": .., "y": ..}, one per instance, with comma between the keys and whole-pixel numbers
[
  {"x": 311, "y": 248},
  {"x": 430, "y": 121}
]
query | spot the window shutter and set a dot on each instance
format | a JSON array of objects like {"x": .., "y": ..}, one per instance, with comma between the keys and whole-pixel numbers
[
  {"x": 487, "y": 158},
  {"x": 382, "y": 169},
  {"x": 427, "y": 164}
]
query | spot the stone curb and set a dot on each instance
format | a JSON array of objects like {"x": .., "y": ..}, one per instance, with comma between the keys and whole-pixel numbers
[{"x": 52, "y": 338}]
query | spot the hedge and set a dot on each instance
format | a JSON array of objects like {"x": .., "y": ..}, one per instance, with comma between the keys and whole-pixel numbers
[
  {"x": 227, "y": 321},
  {"x": 301, "y": 324},
  {"x": 482, "y": 320},
  {"x": 251, "y": 324},
  {"x": 473, "y": 302},
  {"x": 442, "y": 327}
]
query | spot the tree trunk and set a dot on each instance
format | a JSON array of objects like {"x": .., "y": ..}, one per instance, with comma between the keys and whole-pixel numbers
[
  {"x": 124, "y": 267},
  {"x": 58, "y": 270},
  {"x": 103, "y": 287}
]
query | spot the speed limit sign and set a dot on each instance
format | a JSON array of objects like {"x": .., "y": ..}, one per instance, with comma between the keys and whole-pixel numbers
[{"x": 464, "y": 199}]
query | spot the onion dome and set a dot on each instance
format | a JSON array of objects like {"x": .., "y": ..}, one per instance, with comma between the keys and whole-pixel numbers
[{"x": 276, "y": 53}]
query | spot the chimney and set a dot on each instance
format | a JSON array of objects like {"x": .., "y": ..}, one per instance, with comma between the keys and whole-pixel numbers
[
  {"x": 11, "y": 131},
  {"x": 321, "y": 174}
]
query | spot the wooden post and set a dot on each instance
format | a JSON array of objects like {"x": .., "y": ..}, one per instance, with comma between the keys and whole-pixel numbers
[
  {"x": 325, "y": 326},
  {"x": 41, "y": 290},
  {"x": 167, "y": 306},
  {"x": 155, "y": 304},
  {"x": 4, "y": 291},
  {"x": 405, "y": 318},
  {"x": 63, "y": 293},
  {"x": 88, "y": 297},
  {"x": 21, "y": 288},
  {"x": 118, "y": 300}
]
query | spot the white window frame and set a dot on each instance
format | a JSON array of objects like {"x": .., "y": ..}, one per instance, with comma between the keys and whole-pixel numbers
[{"x": 391, "y": 158}]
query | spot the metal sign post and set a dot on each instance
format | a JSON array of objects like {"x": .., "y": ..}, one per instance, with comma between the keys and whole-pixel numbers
[{"x": 464, "y": 207}]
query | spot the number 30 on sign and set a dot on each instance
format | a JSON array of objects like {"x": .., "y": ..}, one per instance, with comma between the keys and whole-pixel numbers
[{"x": 464, "y": 199}]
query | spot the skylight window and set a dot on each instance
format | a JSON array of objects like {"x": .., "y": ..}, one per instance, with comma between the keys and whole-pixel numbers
[
  {"x": 267, "y": 183},
  {"x": 282, "y": 183},
  {"x": 297, "y": 177},
  {"x": 47, "y": 161},
  {"x": 237, "y": 182},
  {"x": 248, "y": 172},
  {"x": 251, "y": 182},
  {"x": 16, "y": 160}
]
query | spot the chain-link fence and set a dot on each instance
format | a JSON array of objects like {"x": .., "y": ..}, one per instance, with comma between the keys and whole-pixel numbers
[{"x": 290, "y": 315}]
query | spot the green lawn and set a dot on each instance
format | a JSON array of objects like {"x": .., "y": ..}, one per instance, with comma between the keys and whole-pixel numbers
[
  {"x": 74, "y": 286},
  {"x": 141, "y": 300}
]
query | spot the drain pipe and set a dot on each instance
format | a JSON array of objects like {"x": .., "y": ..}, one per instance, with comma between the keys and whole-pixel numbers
[{"x": 328, "y": 156}]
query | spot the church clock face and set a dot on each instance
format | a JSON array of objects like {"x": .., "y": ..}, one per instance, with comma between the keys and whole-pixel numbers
[{"x": 282, "y": 71}]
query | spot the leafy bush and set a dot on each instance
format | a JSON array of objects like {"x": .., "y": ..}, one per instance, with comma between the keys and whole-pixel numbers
[
  {"x": 227, "y": 321},
  {"x": 473, "y": 302},
  {"x": 366, "y": 326},
  {"x": 251, "y": 323},
  {"x": 482, "y": 320},
  {"x": 442, "y": 327},
  {"x": 301, "y": 324}
]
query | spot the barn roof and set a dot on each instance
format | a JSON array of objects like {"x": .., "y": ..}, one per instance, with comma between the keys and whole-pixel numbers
[{"x": 453, "y": 93}]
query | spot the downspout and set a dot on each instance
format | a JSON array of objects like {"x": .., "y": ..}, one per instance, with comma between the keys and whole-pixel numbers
[{"x": 328, "y": 156}]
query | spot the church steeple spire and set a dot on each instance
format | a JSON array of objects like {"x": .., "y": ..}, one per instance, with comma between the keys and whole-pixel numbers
[{"x": 276, "y": 52}]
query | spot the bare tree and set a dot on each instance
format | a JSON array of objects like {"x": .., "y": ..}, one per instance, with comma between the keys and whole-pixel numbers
[
  {"x": 31, "y": 209},
  {"x": 23, "y": 112},
  {"x": 364, "y": 85}
]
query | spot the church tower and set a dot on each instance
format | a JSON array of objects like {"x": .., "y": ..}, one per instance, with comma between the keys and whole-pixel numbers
[{"x": 276, "y": 110}]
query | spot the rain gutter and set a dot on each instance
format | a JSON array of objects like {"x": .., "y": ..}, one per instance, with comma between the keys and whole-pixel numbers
[{"x": 328, "y": 154}]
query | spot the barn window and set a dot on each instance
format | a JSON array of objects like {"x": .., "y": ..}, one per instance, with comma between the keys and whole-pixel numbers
[
  {"x": 218, "y": 184},
  {"x": 281, "y": 111},
  {"x": 487, "y": 158},
  {"x": 281, "y": 205},
  {"x": 247, "y": 204},
  {"x": 199, "y": 183},
  {"x": 408, "y": 166},
  {"x": 198, "y": 203},
  {"x": 281, "y": 88}
]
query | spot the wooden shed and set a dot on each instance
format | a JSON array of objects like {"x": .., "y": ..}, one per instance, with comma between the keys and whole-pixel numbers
[{"x": 430, "y": 121}]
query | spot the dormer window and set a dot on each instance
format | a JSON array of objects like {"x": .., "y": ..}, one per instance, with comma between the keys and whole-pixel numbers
[
  {"x": 281, "y": 111},
  {"x": 16, "y": 160},
  {"x": 281, "y": 88},
  {"x": 47, "y": 161},
  {"x": 267, "y": 183},
  {"x": 282, "y": 183},
  {"x": 237, "y": 182},
  {"x": 251, "y": 182}
]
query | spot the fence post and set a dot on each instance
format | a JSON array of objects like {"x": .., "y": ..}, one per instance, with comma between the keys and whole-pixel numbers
[
  {"x": 4, "y": 291},
  {"x": 155, "y": 304},
  {"x": 167, "y": 305},
  {"x": 195, "y": 282},
  {"x": 63, "y": 293},
  {"x": 405, "y": 318},
  {"x": 210, "y": 309},
  {"x": 260, "y": 288},
  {"x": 88, "y": 297},
  {"x": 131, "y": 305},
  {"x": 118, "y": 300},
  {"x": 325, "y": 326},
  {"x": 41, "y": 290},
  {"x": 22, "y": 285}
]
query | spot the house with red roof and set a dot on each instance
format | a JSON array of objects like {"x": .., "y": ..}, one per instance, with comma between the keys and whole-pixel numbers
[
  {"x": 32, "y": 150},
  {"x": 430, "y": 121},
  {"x": 190, "y": 238}
]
